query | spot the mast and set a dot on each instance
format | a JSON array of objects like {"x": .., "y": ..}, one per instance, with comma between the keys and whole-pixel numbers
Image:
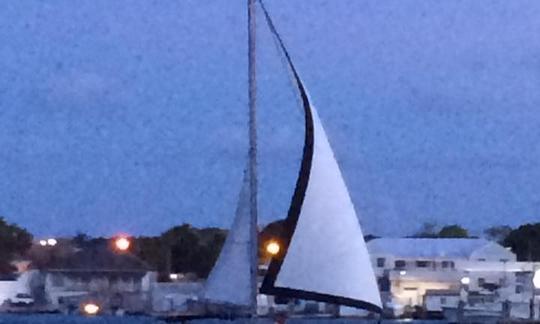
[
  {"x": 233, "y": 279},
  {"x": 252, "y": 168}
]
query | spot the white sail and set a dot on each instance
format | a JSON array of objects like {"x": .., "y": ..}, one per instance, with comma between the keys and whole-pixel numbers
[
  {"x": 327, "y": 254},
  {"x": 231, "y": 279},
  {"x": 325, "y": 257}
]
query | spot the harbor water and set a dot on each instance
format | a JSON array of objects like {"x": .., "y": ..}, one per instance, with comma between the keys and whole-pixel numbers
[{"x": 73, "y": 319}]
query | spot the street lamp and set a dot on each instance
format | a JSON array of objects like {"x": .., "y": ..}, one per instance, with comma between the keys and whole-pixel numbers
[
  {"x": 122, "y": 244},
  {"x": 48, "y": 242},
  {"x": 90, "y": 309},
  {"x": 272, "y": 247},
  {"x": 465, "y": 281}
]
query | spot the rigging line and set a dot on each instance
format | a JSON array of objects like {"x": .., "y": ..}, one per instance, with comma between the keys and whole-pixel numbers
[
  {"x": 281, "y": 44},
  {"x": 287, "y": 67},
  {"x": 282, "y": 50}
]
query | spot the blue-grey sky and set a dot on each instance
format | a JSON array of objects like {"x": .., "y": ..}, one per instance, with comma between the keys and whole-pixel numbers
[{"x": 131, "y": 115}]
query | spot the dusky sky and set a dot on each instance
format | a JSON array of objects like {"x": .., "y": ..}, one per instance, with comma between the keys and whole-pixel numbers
[{"x": 132, "y": 115}]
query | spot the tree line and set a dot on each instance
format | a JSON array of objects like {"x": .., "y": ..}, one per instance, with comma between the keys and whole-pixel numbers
[
  {"x": 524, "y": 240},
  {"x": 187, "y": 249}
]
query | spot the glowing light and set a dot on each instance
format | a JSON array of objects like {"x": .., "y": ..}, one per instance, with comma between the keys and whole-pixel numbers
[
  {"x": 272, "y": 248},
  {"x": 173, "y": 276},
  {"x": 91, "y": 309},
  {"x": 122, "y": 243},
  {"x": 465, "y": 280},
  {"x": 52, "y": 242},
  {"x": 402, "y": 272},
  {"x": 536, "y": 279},
  {"x": 43, "y": 242}
]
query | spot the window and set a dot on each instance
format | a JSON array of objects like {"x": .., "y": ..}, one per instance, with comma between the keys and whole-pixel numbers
[
  {"x": 384, "y": 283},
  {"x": 443, "y": 300},
  {"x": 481, "y": 281},
  {"x": 448, "y": 264},
  {"x": 399, "y": 264},
  {"x": 57, "y": 280},
  {"x": 481, "y": 259},
  {"x": 519, "y": 289},
  {"x": 380, "y": 262},
  {"x": 422, "y": 264}
]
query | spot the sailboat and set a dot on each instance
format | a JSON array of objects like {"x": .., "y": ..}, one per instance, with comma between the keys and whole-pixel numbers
[{"x": 324, "y": 257}]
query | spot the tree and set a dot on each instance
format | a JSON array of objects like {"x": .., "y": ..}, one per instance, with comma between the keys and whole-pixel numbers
[
  {"x": 498, "y": 233},
  {"x": 211, "y": 242},
  {"x": 274, "y": 231},
  {"x": 428, "y": 230},
  {"x": 182, "y": 249},
  {"x": 14, "y": 241},
  {"x": 453, "y": 231},
  {"x": 81, "y": 240},
  {"x": 181, "y": 245},
  {"x": 525, "y": 242},
  {"x": 151, "y": 250}
]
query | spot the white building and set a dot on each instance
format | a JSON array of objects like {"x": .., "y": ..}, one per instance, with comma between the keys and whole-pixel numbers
[
  {"x": 433, "y": 272},
  {"x": 18, "y": 284},
  {"x": 98, "y": 274}
]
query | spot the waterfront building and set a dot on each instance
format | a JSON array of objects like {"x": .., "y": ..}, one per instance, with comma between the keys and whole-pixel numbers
[
  {"x": 434, "y": 274},
  {"x": 113, "y": 280}
]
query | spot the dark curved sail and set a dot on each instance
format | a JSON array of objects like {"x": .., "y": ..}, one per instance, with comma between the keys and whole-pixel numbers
[{"x": 324, "y": 257}]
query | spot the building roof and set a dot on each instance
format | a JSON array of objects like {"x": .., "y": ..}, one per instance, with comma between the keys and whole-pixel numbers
[
  {"x": 427, "y": 247},
  {"x": 99, "y": 259}
]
